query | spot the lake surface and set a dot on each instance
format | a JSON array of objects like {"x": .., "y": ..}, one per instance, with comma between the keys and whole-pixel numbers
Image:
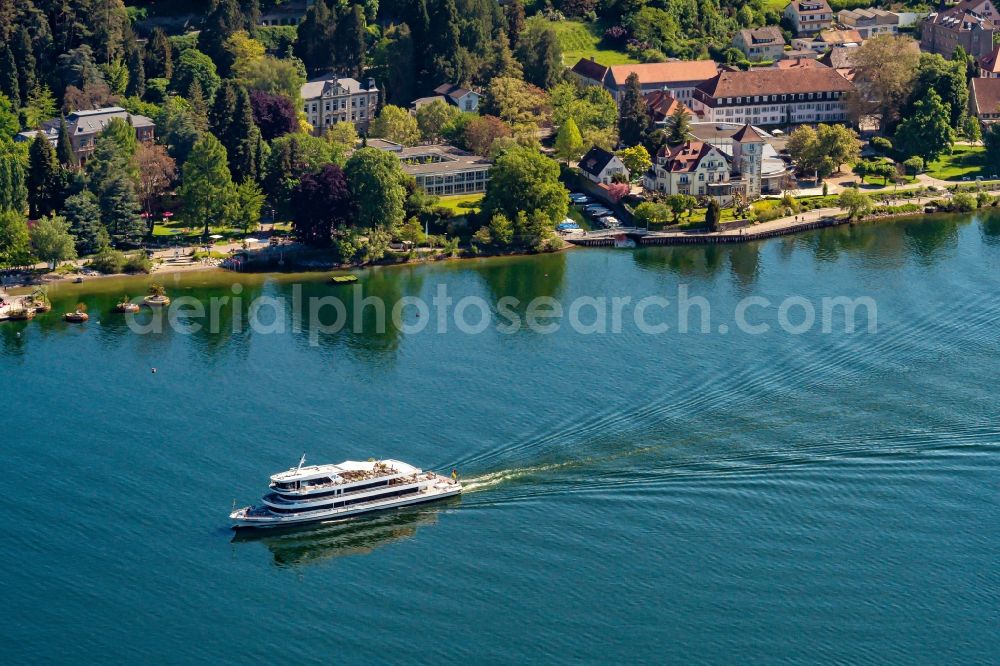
[{"x": 725, "y": 497}]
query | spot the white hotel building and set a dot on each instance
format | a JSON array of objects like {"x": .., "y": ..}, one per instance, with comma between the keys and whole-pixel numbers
[
  {"x": 774, "y": 97},
  {"x": 327, "y": 100}
]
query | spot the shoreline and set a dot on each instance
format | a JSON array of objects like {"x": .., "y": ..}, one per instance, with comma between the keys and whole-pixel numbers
[{"x": 825, "y": 218}]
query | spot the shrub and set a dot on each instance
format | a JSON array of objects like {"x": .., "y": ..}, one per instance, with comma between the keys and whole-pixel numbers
[
  {"x": 914, "y": 165},
  {"x": 963, "y": 203},
  {"x": 881, "y": 143},
  {"x": 138, "y": 263},
  {"x": 108, "y": 261}
]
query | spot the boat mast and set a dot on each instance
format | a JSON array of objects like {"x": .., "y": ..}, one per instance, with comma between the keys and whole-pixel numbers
[{"x": 302, "y": 461}]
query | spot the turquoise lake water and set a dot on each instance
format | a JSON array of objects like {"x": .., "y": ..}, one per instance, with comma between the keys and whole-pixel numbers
[{"x": 719, "y": 497}]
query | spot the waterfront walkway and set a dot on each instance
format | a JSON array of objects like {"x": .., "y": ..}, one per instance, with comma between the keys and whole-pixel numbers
[{"x": 815, "y": 219}]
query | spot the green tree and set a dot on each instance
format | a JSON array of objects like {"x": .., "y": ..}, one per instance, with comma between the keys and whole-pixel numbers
[
  {"x": 206, "y": 184},
  {"x": 349, "y": 41},
  {"x": 713, "y": 214},
  {"x": 13, "y": 184},
  {"x": 948, "y": 79},
  {"x": 343, "y": 134},
  {"x": 592, "y": 108},
  {"x": 637, "y": 160},
  {"x": 522, "y": 179},
  {"x": 540, "y": 53},
  {"x": 972, "y": 129},
  {"x": 159, "y": 56},
  {"x": 15, "y": 240},
  {"x": 434, "y": 117},
  {"x": 223, "y": 20},
  {"x": 245, "y": 205},
  {"x": 9, "y": 124},
  {"x": 177, "y": 128},
  {"x": 193, "y": 65},
  {"x": 24, "y": 55},
  {"x": 679, "y": 204},
  {"x": 396, "y": 124},
  {"x": 991, "y": 140},
  {"x": 651, "y": 213},
  {"x": 633, "y": 119},
  {"x": 9, "y": 85},
  {"x": 45, "y": 181},
  {"x": 854, "y": 202},
  {"x": 84, "y": 216},
  {"x": 501, "y": 230},
  {"x": 823, "y": 150},
  {"x": 119, "y": 206},
  {"x": 51, "y": 240},
  {"x": 926, "y": 132},
  {"x": 679, "y": 126},
  {"x": 569, "y": 142},
  {"x": 231, "y": 120},
  {"x": 378, "y": 188},
  {"x": 64, "y": 145},
  {"x": 41, "y": 107}
]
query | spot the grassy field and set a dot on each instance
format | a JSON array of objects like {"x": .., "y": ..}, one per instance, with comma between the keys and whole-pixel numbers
[
  {"x": 582, "y": 40},
  {"x": 461, "y": 203},
  {"x": 964, "y": 161}
]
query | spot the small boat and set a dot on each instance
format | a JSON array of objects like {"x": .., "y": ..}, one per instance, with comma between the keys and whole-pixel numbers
[
  {"x": 344, "y": 279},
  {"x": 77, "y": 317},
  {"x": 324, "y": 493}
]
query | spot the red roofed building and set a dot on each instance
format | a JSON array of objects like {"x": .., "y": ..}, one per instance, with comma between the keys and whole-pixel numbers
[
  {"x": 701, "y": 169},
  {"x": 989, "y": 66},
  {"x": 971, "y": 24},
  {"x": 984, "y": 99},
  {"x": 662, "y": 105},
  {"x": 679, "y": 78},
  {"x": 774, "y": 96}
]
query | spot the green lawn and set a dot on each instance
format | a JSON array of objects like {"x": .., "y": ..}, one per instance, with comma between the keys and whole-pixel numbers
[
  {"x": 964, "y": 161},
  {"x": 582, "y": 40},
  {"x": 461, "y": 203}
]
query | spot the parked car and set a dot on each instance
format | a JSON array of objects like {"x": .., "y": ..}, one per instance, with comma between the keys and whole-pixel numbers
[
  {"x": 610, "y": 222},
  {"x": 599, "y": 212},
  {"x": 591, "y": 208}
]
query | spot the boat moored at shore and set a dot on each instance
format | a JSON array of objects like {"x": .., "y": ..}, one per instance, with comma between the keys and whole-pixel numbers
[{"x": 320, "y": 493}]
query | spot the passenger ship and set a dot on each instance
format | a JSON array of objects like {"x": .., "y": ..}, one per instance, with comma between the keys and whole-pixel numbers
[{"x": 319, "y": 493}]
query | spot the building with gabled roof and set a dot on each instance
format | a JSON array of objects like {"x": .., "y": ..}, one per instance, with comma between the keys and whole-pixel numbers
[
  {"x": 809, "y": 16},
  {"x": 85, "y": 126},
  {"x": 589, "y": 72},
  {"x": 869, "y": 21},
  {"x": 679, "y": 77},
  {"x": 330, "y": 99},
  {"x": 734, "y": 159},
  {"x": 662, "y": 105},
  {"x": 971, "y": 24},
  {"x": 766, "y": 43},
  {"x": 984, "y": 99},
  {"x": 774, "y": 96},
  {"x": 989, "y": 65},
  {"x": 601, "y": 166}
]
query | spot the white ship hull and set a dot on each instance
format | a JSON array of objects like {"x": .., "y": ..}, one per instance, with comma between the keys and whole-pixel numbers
[{"x": 254, "y": 518}]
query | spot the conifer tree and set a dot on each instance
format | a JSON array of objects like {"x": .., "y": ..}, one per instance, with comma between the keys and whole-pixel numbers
[
  {"x": 632, "y": 118},
  {"x": 64, "y": 145},
  {"x": 569, "y": 142},
  {"x": 13, "y": 187},
  {"x": 223, "y": 20},
  {"x": 9, "y": 85},
  {"x": 159, "y": 56},
  {"x": 24, "y": 56},
  {"x": 45, "y": 181}
]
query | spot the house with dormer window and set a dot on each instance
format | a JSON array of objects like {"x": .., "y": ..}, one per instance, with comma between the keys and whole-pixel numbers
[{"x": 328, "y": 99}]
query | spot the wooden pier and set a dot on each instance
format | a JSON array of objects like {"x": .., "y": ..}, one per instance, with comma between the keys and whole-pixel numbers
[{"x": 641, "y": 238}]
